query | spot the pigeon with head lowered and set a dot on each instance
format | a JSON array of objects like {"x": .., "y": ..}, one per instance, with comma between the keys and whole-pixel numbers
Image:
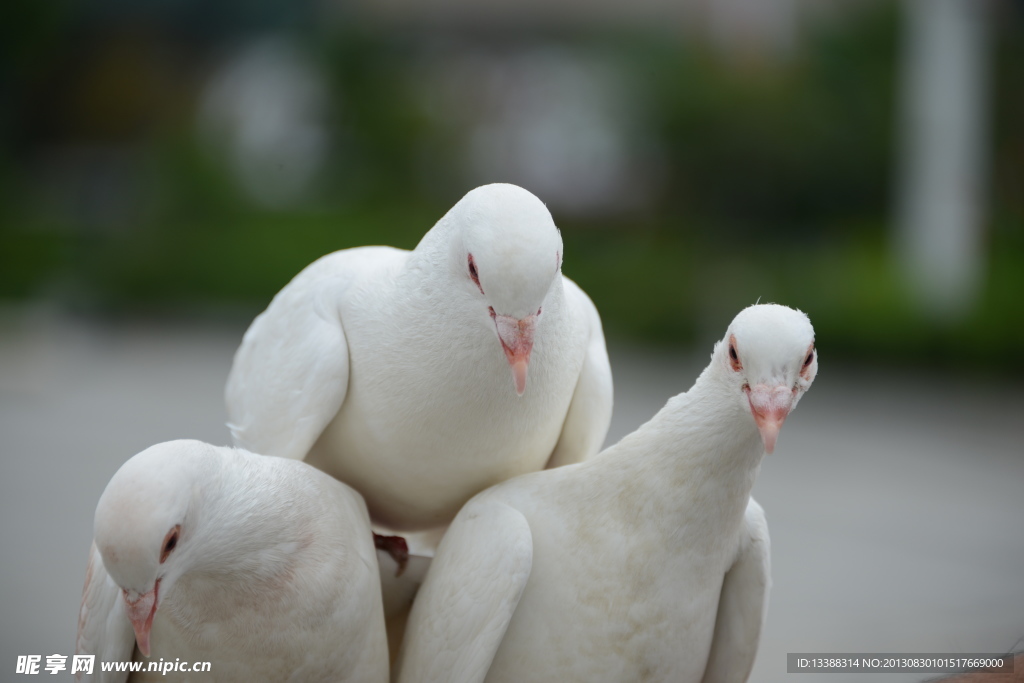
[
  {"x": 647, "y": 562},
  {"x": 263, "y": 567},
  {"x": 420, "y": 378}
]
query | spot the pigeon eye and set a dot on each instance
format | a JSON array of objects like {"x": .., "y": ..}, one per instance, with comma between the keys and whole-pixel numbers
[
  {"x": 170, "y": 543},
  {"x": 734, "y": 358},
  {"x": 810, "y": 357},
  {"x": 473, "y": 274}
]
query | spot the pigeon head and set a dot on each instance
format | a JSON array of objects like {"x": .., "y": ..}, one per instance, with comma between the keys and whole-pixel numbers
[
  {"x": 143, "y": 524},
  {"x": 768, "y": 358},
  {"x": 509, "y": 261}
]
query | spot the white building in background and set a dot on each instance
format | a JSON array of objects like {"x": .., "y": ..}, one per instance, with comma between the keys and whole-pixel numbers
[
  {"x": 554, "y": 120},
  {"x": 264, "y": 110}
]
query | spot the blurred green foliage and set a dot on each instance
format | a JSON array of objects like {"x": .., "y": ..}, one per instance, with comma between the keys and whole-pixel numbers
[
  {"x": 787, "y": 154},
  {"x": 777, "y": 187}
]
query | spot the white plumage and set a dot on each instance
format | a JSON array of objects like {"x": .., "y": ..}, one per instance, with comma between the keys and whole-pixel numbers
[
  {"x": 423, "y": 377},
  {"x": 649, "y": 561},
  {"x": 263, "y": 567}
]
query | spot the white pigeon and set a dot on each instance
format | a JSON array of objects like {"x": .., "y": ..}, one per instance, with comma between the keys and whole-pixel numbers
[
  {"x": 264, "y": 567},
  {"x": 648, "y": 562},
  {"x": 421, "y": 378}
]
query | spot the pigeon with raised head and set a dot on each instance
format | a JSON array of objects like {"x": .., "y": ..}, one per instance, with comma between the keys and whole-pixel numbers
[
  {"x": 649, "y": 561},
  {"x": 263, "y": 567},
  {"x": 422, "y": 377}
]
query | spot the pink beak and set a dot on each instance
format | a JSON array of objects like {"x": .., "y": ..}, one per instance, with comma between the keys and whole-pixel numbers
[
  {"x": 770, "y": 406},
  {"x": 141, "y": 612},
  {"x": 517, "y": 340}
]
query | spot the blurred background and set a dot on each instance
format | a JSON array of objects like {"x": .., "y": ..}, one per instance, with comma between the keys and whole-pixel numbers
[
  {"x": 166, "y": 167},
  {"x": 861, "y": 160}
]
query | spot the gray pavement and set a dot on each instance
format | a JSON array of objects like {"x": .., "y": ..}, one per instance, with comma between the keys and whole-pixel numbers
[{"x": 894, "y": 499}]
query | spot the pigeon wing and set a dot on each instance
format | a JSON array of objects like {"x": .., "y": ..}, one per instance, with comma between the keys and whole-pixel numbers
[
  {"x": 290, "y": 375},
  {"x": 103, "y": 627},
  {"x": 743, "y": 604},
  {"x": 471, "y": 591},
  {"x": 590, "y": 412}
]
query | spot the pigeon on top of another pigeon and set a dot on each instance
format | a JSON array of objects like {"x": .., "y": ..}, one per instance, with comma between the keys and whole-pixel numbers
[{"x": 422, "y": 377}]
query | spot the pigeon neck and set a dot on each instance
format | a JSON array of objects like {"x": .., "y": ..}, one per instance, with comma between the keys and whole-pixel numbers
[
  {"x": 698, "y": 458},
  {"x": 435, "y": 245},
  {"x": 421, "y": 283}
]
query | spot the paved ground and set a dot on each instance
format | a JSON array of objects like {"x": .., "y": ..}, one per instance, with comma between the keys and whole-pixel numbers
[{"x": 895, "y": 500}]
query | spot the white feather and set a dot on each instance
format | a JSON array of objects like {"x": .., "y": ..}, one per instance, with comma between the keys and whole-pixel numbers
[
  {"x": 646, "y": 562},
  {"x": 274, "y": 576},
  {"x": 384, "y": 367}
]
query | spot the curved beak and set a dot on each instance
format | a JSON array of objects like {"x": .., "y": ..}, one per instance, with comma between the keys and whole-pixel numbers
[
  {"x": 141, "y": 611},
  {"x": 770, "y": 406},
  {"x": 516, "y": 337}
]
